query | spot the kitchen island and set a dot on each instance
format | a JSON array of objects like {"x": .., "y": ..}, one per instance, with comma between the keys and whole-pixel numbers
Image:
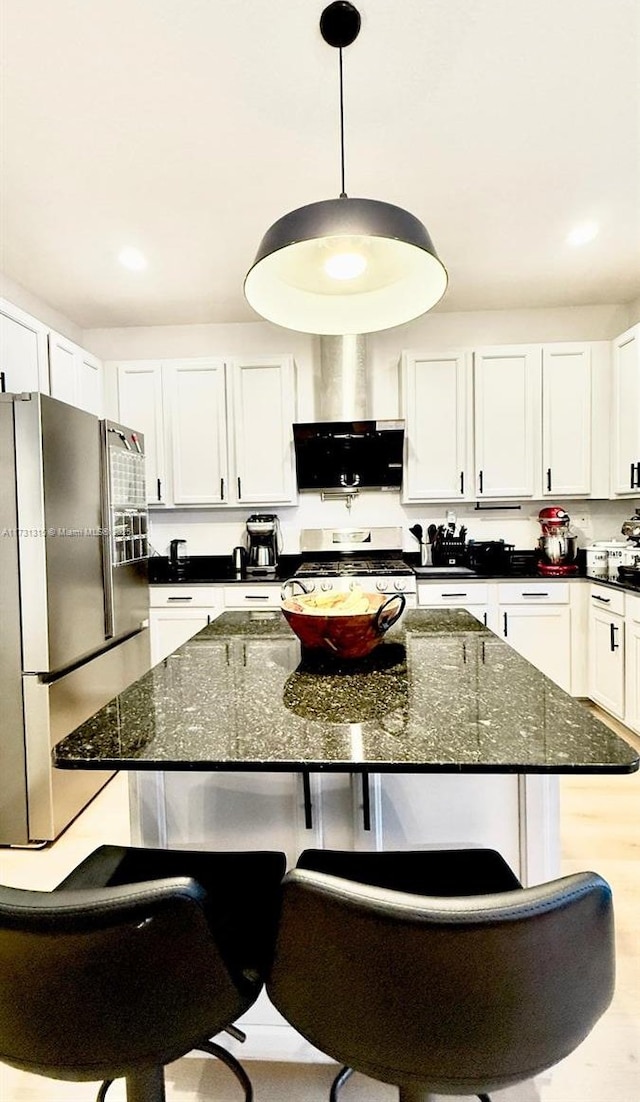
[{"x": 443, "y": 736}]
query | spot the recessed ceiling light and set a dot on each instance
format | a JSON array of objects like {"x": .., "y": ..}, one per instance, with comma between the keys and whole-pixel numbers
[
  {"x": 583, "y": 234},
  {"x": 133, "y": 259}
]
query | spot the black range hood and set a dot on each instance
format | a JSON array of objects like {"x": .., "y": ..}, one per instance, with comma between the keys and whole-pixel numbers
[{"x": 349, "y": 455}]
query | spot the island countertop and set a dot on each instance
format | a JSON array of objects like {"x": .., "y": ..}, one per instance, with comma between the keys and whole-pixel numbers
[{"x": 441, "y": 693}]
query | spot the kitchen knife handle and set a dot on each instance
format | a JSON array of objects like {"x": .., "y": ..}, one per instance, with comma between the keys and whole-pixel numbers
[{"x": 549, "y": 479}]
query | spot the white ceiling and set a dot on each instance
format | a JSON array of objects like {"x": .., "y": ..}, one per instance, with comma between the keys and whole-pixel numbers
[{"x": 186, "y": 127}]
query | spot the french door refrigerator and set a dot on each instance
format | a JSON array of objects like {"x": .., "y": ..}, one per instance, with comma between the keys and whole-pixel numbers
[{"x": 73, "y": 598}]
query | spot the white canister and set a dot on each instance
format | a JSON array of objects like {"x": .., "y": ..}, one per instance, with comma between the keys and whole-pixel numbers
[
  {"x": 615, "y": 553},
  {"x": 597, "y": 562},
  {"x": 630, "y": 554}
]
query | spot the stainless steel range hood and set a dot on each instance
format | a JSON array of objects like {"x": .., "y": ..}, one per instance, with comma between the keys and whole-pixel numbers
[
  {"x": 343, "y": 386},
  {"x": 344, "y": 450}
]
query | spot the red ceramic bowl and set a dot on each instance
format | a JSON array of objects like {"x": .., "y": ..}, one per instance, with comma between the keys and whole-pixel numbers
[{"x": 347, "y": 635}]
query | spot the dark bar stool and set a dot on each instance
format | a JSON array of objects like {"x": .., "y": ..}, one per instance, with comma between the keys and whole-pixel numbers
[
  {"x": 138, "y": 957},
  {"x": 436, "y": 971}
]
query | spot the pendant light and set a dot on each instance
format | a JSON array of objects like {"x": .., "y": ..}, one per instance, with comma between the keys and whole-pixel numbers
[{"x": 345, "y": 265}]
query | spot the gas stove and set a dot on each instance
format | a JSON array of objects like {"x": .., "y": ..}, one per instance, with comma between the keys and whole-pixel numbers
[{"x": 346, "y": 557}]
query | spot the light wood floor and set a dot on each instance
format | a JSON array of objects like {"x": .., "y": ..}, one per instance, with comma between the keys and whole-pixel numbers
[{"x": 600, "y": 830}]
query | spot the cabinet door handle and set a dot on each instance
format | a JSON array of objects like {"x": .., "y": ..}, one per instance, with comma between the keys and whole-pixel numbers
[
  {"x": 637, "y": 475},
  {"x": 613, "y": 629},
  {"x": 179, "y": 598},
  {"x": 605, "y": 600},
  {"x": 308, "y": 807},
  {"x": 3, "y": 388},
  {"x": 480, "y": 482},
  {"x": 159, "y": 487},
  {"x": 366, "y": 801},
  {"x": 239, "y": 488},
  {"x": 484, "y": 620},
  {"x": 549, "y": 479},
  {"x": 505, "y": 631},
  {"x": 461, "y": 482},
  {"x": 632, "y": 476},
  {"x": 222, "y": 489}
]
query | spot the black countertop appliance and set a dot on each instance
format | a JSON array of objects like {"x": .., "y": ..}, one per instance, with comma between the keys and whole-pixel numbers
[{"x": 490, "y": 556}]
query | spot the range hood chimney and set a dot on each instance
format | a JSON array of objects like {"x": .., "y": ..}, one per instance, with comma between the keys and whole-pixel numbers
[{"x": 343, "y": 391}]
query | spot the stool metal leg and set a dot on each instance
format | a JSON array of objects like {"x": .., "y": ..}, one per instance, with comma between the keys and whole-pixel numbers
[
  {"x": 339, "y": 1081},
  {"x": 146, "y": 1086},
  {"x": 229, "y": 1061}
]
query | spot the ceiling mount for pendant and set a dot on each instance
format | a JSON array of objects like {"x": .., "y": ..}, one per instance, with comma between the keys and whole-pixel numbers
[{"x": 345, "y": 265}]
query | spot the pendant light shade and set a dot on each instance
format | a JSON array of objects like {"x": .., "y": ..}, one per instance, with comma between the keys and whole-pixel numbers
[{"x": 345, "y": 265}]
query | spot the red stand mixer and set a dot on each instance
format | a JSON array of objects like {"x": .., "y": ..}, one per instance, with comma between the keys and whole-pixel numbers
[{"x": 557, "y": 546}]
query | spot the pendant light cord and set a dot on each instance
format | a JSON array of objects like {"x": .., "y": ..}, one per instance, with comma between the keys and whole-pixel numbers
[{"x": 343, "y": 194}]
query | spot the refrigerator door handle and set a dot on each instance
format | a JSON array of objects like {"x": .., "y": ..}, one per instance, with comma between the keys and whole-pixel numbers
[{"x": 107, "y": 537}]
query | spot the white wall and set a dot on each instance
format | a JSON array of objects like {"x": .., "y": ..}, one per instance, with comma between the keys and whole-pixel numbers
[{"x": 39, "y": 309}]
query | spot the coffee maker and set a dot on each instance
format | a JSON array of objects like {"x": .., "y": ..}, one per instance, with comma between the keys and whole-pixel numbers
[
  {"x": 557, "y": 546},
  {"x": 263, "y": 540}
]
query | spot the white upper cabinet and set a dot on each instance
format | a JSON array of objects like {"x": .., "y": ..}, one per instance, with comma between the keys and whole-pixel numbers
[
  {"x": 197, "y": 424},
  {"x": 625, "y": 409},
  {"x": 75, "y": 375},
  {"x": 23, "y": 351},
  {"x": 566, "y": 420},
  {"x": 507, "y": 420},
  {"x": 263, "y": 405},
  {"x": 217, "y": 433},
  {"x": 140, "y": 407},
  {"x": 436, "y": 401}
]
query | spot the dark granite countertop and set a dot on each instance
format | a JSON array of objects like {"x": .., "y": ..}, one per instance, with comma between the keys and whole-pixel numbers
[{"x": 441, "y": 693}]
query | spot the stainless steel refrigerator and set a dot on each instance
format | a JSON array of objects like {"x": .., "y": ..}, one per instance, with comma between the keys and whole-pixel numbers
[{"x": 73, "y": 598}]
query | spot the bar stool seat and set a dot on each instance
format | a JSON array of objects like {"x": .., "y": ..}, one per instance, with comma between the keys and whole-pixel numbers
[
  {"x": 136, "y": 958},
  {"x": 436, "y": 971}
]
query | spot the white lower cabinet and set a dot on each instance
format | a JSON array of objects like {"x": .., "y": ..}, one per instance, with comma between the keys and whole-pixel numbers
[
  {"x": 632, "y": 648},
  {"x": 178, "y": 612},
  {"x": 535, "y": 619},
  {"x": 607, "y": 649}
]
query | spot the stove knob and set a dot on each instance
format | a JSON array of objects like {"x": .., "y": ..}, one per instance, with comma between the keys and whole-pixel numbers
[
  {"x": 309, "y": 585},
  {"x": 400, "y": 585},
  {"x": 381, "y": 586},
  {"x": 326, "y": 586}
]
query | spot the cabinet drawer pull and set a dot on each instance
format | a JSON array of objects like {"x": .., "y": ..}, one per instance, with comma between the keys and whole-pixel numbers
[
  {"x": 256, "y": 597},
  {"x": 453, "y": 594},
  {"x": 538, "y": 593},
  {"x": 179, "y": 598},
  {"x": 605, "y": 600}
]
